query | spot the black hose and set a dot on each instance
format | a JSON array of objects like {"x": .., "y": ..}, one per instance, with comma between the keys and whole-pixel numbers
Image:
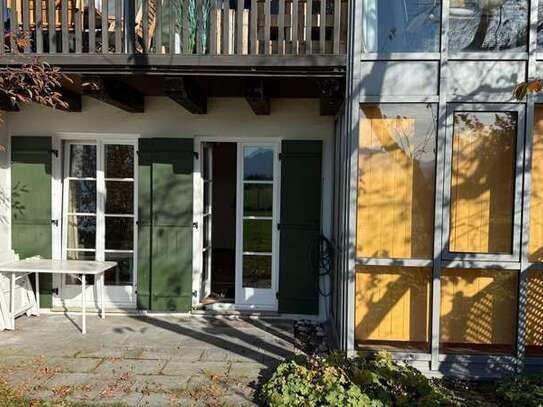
[{"x": 321, "y": 257}]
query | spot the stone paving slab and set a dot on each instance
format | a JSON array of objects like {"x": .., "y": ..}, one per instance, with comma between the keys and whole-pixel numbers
[
  {"x": 134, "y": 366},
  {"x": 144, "y": 361},
  {"x": 181, "y": 368}
]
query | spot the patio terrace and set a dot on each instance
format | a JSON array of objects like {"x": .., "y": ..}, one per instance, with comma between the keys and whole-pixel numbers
[{"x": 143, "y": 360}]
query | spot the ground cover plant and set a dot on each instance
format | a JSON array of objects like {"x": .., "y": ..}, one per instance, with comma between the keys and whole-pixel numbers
[{"x": 378, "y": 381}]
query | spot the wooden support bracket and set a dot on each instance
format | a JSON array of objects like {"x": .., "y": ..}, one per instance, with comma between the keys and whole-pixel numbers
[
  {"x": 186, "y": 93},
  {"x": 114, "y": 92},
  {"x": 332, "y": 94},
  {"x": 257, "y": 97}
]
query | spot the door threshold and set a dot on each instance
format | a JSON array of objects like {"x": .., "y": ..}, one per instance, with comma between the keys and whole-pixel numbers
[{"x": 230, "y": 308}]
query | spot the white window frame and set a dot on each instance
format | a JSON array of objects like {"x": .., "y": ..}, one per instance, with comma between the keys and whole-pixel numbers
[
  {"x": 198, "y": 290},
  {"x": 119, "y": 296},
  {"x": 270, "y": 298}
]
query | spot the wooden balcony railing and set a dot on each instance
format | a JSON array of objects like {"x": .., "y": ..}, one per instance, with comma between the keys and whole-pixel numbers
[{"x": 170, "y": 27}]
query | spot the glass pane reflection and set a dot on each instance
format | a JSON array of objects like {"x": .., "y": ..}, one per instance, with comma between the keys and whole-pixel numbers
[
  {"x": 120, "y": 197},
  {"x": 82, "y": 197},
  {"x": 396, "y": 181},
  {"x": 122, "y": 274},
  {"x": 257, "y": 199},
  {"x": 489, "y": 25},
  {"x": 119, "y": 161},
  {"x": 81, "y": 232},
  {"x": 402, "y": 26},
  {"x": 257, "y": 236},
  {"x": 82, "y": 161},
  {"x": 482, "y": 191},
  {"x": 257, "y": 271},
  {"x": 119, "y": 233},
  {"x": 258, "y": 164}
]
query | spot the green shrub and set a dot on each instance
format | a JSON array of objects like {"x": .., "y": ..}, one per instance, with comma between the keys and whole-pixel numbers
[
  {"x": 378, "y": 381},
  {"x": 397, "y": 385},
  {"x": 312, "y": 382},
  {"x": 526, "y": 391},
  {"x": 340, "y": 381}
]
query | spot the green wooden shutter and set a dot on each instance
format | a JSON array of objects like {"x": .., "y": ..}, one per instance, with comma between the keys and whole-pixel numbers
[
  {"x": 300, "y": 226},
  {"x": 31, "y": 203},
  {"x": 165, "y": 224}
]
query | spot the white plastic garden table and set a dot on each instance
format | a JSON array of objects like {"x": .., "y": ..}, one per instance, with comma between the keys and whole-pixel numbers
[{"x": 76, "y": 268}]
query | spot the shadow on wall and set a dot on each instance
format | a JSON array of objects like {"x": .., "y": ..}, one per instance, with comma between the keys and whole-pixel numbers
[
  {"x": 4, "y": 193},
  {"x": 479, "y": 307},
  {"x": 395, "y": 215}
]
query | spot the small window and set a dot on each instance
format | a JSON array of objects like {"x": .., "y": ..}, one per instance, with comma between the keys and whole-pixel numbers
[
  {"x": 402, "y": 26},
  {"x": 489, "y": 25}
]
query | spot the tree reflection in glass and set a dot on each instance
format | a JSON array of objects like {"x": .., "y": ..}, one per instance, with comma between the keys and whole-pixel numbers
[
  {"x": 488, "y": 25},
  {"x": 401, "y": 26}
]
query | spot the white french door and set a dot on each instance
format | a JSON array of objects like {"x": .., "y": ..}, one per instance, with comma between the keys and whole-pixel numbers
[
  {"x": 257, "y": 218},
  {"x": 99, "y": 217},
  {"x": 207, "y": 215}
]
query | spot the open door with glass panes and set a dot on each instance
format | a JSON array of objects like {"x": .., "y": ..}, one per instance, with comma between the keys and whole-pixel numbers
[
  {"x": 207, "y": 220},
  {"x": 99, "y": 217},
  {"x": 257, "y": 219}
]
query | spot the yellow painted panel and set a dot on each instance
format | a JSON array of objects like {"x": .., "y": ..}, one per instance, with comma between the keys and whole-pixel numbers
[
  {"x": 392, "y": 303},
  {"x": 535, "y": 244},
  {"x": 534, "y": 309},
  {"x": 482, "y": 184},
  {"x": 478, "y": 306},
  {"x": 395, "y": 187}
]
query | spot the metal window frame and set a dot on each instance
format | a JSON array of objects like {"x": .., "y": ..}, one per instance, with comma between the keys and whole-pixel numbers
[
  {"x": 392, "y": 261},
  {"x": 444, "y": 98},
  {"x": 522, "y": 294},
  {"x": 453, "y": 108}
]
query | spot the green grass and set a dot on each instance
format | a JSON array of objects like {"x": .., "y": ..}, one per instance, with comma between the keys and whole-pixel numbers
[{"x": 257, "y": 236}]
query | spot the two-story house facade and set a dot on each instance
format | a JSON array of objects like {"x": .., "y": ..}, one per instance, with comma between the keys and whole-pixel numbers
[{"x": 362, "y": 162}]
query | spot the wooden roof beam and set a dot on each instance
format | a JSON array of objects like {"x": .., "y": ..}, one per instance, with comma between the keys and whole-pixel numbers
[
  {"x": 257, "y": 97},
  {"x": 187, "y": 93},
  {"x": 115, "y": 93},
  {"x": 6, "y": 105},
  {"x": 73, "y": 100},
  {"x": 332, "y": 94}
]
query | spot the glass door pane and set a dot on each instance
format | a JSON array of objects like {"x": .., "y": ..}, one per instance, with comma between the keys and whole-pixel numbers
[
  {"x": 207, "y": 178},
  {"x": 81, "y": 215},
  {"x": 119, "y": 212},
  {"x": 257, "y": 220},
  {"x": 99, "y": 216}
]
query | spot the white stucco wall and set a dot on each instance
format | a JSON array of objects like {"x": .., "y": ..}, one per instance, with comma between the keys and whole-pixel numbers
[
  {"x": 5, "y": 213},
  {"x": 227, "y": 117}
]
